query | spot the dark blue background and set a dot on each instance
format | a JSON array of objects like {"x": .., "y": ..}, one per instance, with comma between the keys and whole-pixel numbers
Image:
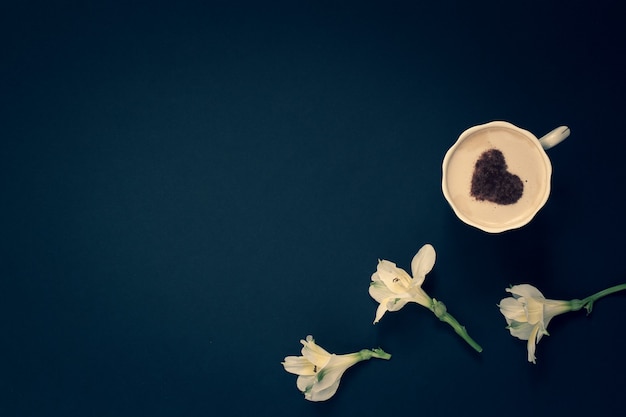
[{"x": 189, "y": 188}]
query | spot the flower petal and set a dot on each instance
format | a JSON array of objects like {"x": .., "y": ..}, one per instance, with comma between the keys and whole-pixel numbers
[
  {"x": 375, "y": 276},
  {"x": 315, "y": 353},
  {"x": 541, "y": 332},
  {"x": 525, "y": 290},
  {"x": 419, "y": 296},
  {"x": 335, "y": 368},
  {"x": 393, "y": 303},
  {"x": 534, "y": 309},
  {"x": 380, "y": 311},
  {"x": 305, "y": 383},
  {"x": 423, "y": 263},
  {"x": 298, "y": 365},
  {"x": 521, "y": 330},
  {"x": 326, "y": 381},
  {"x": 512, "y": 309},
  {"x": 532, "y": 343},
  {"x": 394, "y": 278},
  {"x": 397, "y": 302},
  {"x": 378, "y": 291},
  {"x": 316, "y": 394}
]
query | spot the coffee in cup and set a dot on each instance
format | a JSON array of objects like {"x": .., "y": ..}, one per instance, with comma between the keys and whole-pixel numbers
[{"x": 497, "y": 176}]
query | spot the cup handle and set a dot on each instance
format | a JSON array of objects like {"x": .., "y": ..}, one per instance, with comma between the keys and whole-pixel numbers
[{"x": 555, "y": 137}]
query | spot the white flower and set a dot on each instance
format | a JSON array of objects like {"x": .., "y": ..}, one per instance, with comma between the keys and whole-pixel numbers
[
  {"x": 528, "y": 313},
  {"x": 319, "y": 372},
  {"x": 392, "y": 287}
]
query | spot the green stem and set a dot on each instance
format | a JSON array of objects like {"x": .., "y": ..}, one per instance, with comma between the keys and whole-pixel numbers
[
  {"x": 366, "y": 354},
  {"x": 588, "y": 301},
  {"x": 442, "y": 314}
]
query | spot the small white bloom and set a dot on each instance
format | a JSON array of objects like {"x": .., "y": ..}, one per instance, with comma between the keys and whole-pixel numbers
[
  {"x": 393, "y": 288},
  {"x": 319, "y": 372},
  {"x": 528, "y": 313}
]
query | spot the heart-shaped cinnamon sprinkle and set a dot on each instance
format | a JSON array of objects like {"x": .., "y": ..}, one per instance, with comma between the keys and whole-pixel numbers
[{"x": 492, "y": 182}]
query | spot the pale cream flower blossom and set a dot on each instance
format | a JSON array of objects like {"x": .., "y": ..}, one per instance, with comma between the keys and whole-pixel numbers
[
  {"x": 393, "y": 288},
  {"x": 528, "y": 312},
  {"x": 320, "y": 372}
]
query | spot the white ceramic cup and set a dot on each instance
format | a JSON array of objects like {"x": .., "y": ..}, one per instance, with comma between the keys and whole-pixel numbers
[{"x": 525, "y": 158}]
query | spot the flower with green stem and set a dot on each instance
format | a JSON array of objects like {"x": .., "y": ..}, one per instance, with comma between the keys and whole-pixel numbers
[
  {"x": 528, "y": 312},
  {"x": 393, "y": 288},
  {"x": 320, "y": 372}
]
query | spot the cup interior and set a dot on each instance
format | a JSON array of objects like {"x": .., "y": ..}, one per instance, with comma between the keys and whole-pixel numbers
[{"x": 524, "y": 157}]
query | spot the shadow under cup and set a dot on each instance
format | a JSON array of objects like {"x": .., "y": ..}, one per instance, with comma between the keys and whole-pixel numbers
[{"x": 524, "y": 157}]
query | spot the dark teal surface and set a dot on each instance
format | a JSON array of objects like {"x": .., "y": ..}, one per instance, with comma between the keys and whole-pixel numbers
[{"x": 190, "y": 188}]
